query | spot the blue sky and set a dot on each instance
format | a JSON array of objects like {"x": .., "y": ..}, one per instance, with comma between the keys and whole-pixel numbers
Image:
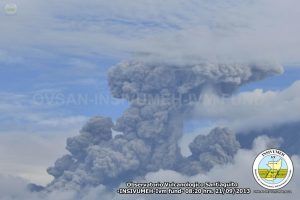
[{"x": 51, "y": 77}]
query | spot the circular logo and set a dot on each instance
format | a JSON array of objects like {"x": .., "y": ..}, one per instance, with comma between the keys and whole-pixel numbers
[
  {"x": 273, "y": 169},
  {"x": 10, "y": 8}
]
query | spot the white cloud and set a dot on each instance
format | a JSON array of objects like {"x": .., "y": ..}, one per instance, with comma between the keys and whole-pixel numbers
[
  {"x": 32, "y": 136},
  {"x": 252, "y": 110},
  {"x": 28, "y": 155},
  {"x": 230, "y": 29},
  {"x": 8, "y": 59},
  {"x": 12, "y": 188}
]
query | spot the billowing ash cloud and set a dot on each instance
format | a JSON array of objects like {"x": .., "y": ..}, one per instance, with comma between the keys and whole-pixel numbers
[
  {"x": 135, "y": 78},
  {"x": 218, "y": 147},
  {"x": 160, "y": 101}
]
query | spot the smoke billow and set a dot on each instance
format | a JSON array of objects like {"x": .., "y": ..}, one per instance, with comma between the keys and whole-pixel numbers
[
  {"x": 160, "y": 102},
  {"x": 218, "y": 147}
]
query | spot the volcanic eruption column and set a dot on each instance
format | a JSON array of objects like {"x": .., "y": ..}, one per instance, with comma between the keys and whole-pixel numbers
[{"x": 159, "y": 96}]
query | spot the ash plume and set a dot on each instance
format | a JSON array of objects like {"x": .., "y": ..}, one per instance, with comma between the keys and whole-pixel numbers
[
  {"x": 151, "y": 130},
  {"x": 218, "y": 147}
]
